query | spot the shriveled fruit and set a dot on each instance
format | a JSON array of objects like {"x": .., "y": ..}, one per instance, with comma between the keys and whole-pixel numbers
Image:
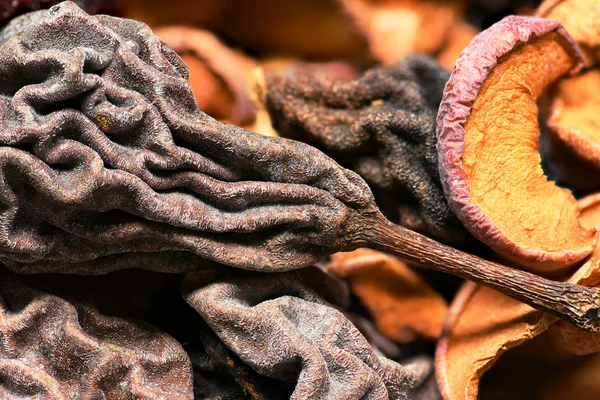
[
  {"x": 487, "y": 145},
  {"x": 106, "y": 163}
]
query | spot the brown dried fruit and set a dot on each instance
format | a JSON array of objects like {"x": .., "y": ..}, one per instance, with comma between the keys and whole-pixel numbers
[
  {"x": 581, "y": 18},
  {"x": 118, "y": 159},
  {"x": 115, "y": 167},
  {"x": 487, "y": 144},
  {"x": 401, "y": 303},
  {"x": 483, "y": 324},
  {"x": 532, "y": 372},
  {"x": 283, "y": 327},
  {"x": 215, "y": 73},
  {"x": 55, "y": 349},
  {"x": 382, "y": 126}
]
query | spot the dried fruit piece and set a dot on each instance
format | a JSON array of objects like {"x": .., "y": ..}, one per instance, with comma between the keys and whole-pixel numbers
[
  {"x": 483, "y": 324},
  {"x": 283, "y": 328},
  {"x": 581, "y": 18},
  {"x": 400, "y": 302},
  {"x": 541, "y": 369},
  {"x": 397, "y": 28},
  {"x": 459, "y": 37},
  {"x": 311, "y": 29},
  {"x": 55, "y": 349},
  {"x": 487, "y": 144},
  {"x": 118, "y": 154},
  {"x": 382, "y": 126},
  {"x": 572, "y": 139},
  {"x": 216, "y": 78},
  {"x": 114, "y": 166}
]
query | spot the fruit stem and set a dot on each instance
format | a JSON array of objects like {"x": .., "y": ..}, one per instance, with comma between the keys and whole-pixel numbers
[{"x": 579, "y": 305}]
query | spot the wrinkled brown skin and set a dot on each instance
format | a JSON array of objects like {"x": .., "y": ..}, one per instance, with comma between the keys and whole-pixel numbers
[
  {"x": 382, "y": 126},
  {"x": 105, "y": 153},
  {"x": 57, "y": 349},
  {"x": 282, "y": 325},
  {"x": 216, "y": 77}
]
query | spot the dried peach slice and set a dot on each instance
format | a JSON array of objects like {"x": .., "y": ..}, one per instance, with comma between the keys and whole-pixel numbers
[
  {"x": 581, "y": 18},
  {"x": 488, "y": 145},
  {"x": 574, "y": 129},
  {"x": 402, "y": 304},
  {"x": 483, "y": 324}
]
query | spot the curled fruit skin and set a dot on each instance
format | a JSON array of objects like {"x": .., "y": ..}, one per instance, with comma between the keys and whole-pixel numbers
[{"x": 474, "y": 65}]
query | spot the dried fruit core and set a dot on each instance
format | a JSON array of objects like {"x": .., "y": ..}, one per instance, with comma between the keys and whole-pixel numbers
[{"x": 500, "y": 156}]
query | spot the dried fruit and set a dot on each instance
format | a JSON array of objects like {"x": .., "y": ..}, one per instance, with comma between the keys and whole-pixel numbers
[
  {"x": 397, "y": 28},
  {"x": 281, "y": 326},
  {"x": 312, "y": 29},
  {"x": 581, "y": 18},
  {"x": 216, "y": 73},
  {"x": 400, "y": 302},
  {"x": 115, "y": 167},
  {"x": 381, "y": 125},
  {"x": 483, "y": 324},
  {"x": 57, "y": 349},
  {"x": 572, "y": 130},
  {"x": 487, "y": 144},
  {"x": 459, "y": 37}
]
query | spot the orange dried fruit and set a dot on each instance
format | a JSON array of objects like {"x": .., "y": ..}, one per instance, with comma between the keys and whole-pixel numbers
[
  {"x": 402, "y": 304},
  {"x": 488, "y": 145},
  {"x": 459, "y": 37},
  {"x": 397, "y": 28},
  {"x": 574, "y": 130},
  {"x": 483, "y": 324},
  {"x": 581, "y": 18}
]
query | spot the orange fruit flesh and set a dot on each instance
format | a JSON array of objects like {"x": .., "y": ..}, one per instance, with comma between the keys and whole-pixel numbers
[{"x": 501, "y": 157}]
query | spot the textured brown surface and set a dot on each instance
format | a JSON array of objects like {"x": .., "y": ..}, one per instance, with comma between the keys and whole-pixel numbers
[
  {"x": 56, "y": 349},
  {"x": 105, "y": 153},
  {"x": 282, "y": 325},
  {"x": 382, "y": 126}
]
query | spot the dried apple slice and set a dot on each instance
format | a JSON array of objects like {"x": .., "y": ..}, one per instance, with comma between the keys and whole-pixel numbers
[
  {"x": 483, "y": 324},
  {"x": 488, "y": 145}
]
